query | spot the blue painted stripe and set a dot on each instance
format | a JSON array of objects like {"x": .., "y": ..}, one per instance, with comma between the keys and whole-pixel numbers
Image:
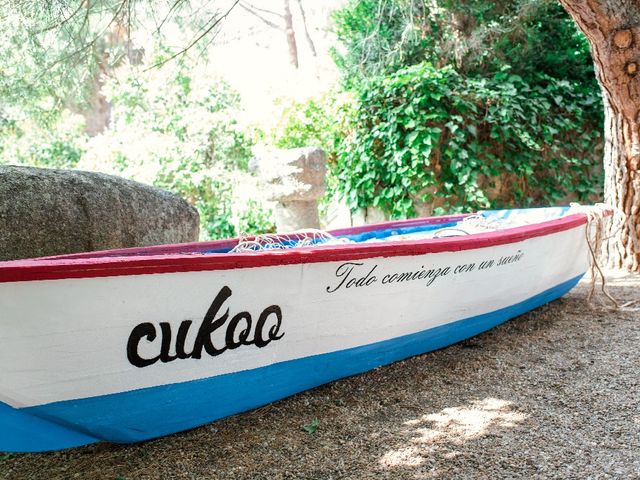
[
  {"x": 152, "y": 412},
  {"x": 388, "y": 232},
  {"x": 21, "y": 432}
]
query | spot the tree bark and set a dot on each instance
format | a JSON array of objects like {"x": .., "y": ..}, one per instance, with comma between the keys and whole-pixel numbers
[
  {"x": 97, "y": 113},
  {"x": 613, "y": 30},
  {"x": 291, "y": 36}
]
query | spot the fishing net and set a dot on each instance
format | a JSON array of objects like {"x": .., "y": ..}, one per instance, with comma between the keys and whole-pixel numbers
[
  {"x": 277, "y": 241},
  {"x": 490, "y": 221},
  {"x": 471, "y": 225}
]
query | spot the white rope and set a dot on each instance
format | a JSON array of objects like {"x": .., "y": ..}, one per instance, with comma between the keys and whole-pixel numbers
[
  {"x": 596, "y": 216},
  {"x": 450, "y": 232},
  {"x": 480, "y": 224}
]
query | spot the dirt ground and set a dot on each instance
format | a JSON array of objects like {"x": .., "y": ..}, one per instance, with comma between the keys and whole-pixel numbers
[{"x": 552, "y": 394}]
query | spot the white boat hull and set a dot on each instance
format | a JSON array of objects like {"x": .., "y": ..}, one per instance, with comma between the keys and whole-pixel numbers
[{"x": 130, "y": 357}]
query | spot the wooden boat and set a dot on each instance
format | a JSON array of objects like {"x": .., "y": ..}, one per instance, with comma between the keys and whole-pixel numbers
[{"x": 128, "y": 345}]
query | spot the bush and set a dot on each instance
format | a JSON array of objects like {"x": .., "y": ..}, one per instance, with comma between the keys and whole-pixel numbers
[
  {"x": 427, "y": 138},
  {"x": 166, "y": 130},
  {"x": 377, "y": 36},
  {"x": 323, "y": 122},
  {"x": 179, "y": 134},
  {"x": 317, "y": 122},
  {"x": 60, "y": 144},
  {"x": 465, "y": 105},
  {"x": 477, "y": 37}
]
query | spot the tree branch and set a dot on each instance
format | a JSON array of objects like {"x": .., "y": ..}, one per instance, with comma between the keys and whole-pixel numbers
[
  {"x": 264, "y": 10},
  {"x": 61, "y": 23},
  {"x": 208, "y": 30},
  {"x": 265, "y": 20},
  {"x": 90, "y": 44},
  {"x": 306, "y": 30},
  {"x": 168, "y": 15}
]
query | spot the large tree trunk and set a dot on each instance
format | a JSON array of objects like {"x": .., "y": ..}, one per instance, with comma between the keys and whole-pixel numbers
[
  {"x": 613, "y": 30},
  {"x": 97, "y": 112}
]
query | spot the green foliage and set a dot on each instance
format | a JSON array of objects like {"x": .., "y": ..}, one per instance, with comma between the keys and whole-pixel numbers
[
  {"x": 538, "y": 38},
  {"x": 479, "y": 38},
  {"x": 172, "y": 127},
  {"x": 458, "y": 105},
  {"x": 195, "y": 120},
  {"x": 380, "y": 36},
  {"x": 58, "y": 145},
  {"x": 54, "y": 51},
  {"x": 466, "y": 105},
  {"x": 168, "y": 130},
  {"x": 315, "y": 123},
  {"x": 255, "y": 219},
  {"x": 303, "y": 125},
  {"x": 180, "y": 134},
  {"x": 427, "y": 135},
  {"x": 312, "y": 427},
  {"x": 323, "y": 123},
  {"x": 212, "y": 197},
  {"x": 22, "y": 84}
]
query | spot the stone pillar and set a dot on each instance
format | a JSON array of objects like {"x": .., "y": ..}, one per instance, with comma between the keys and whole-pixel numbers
[
  {"x": 295, "y": 180},
  {"x": 296, "y": 215}
]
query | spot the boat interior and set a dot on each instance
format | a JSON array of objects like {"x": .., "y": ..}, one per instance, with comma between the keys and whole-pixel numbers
[{"x": 413, "y": 229}]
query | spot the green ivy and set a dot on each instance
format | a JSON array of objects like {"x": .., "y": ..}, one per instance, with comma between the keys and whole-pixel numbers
[{"x": 430, "y": 135}]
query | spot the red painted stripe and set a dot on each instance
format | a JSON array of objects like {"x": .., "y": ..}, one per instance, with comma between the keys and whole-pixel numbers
[{"x": 164, "y": 259}]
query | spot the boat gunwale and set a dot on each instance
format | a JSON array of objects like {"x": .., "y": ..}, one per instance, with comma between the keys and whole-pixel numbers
[{"x": 167, "y": 259}]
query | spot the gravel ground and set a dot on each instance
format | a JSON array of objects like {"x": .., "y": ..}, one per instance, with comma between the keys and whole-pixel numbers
[{"x": 551, "y": 394}]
